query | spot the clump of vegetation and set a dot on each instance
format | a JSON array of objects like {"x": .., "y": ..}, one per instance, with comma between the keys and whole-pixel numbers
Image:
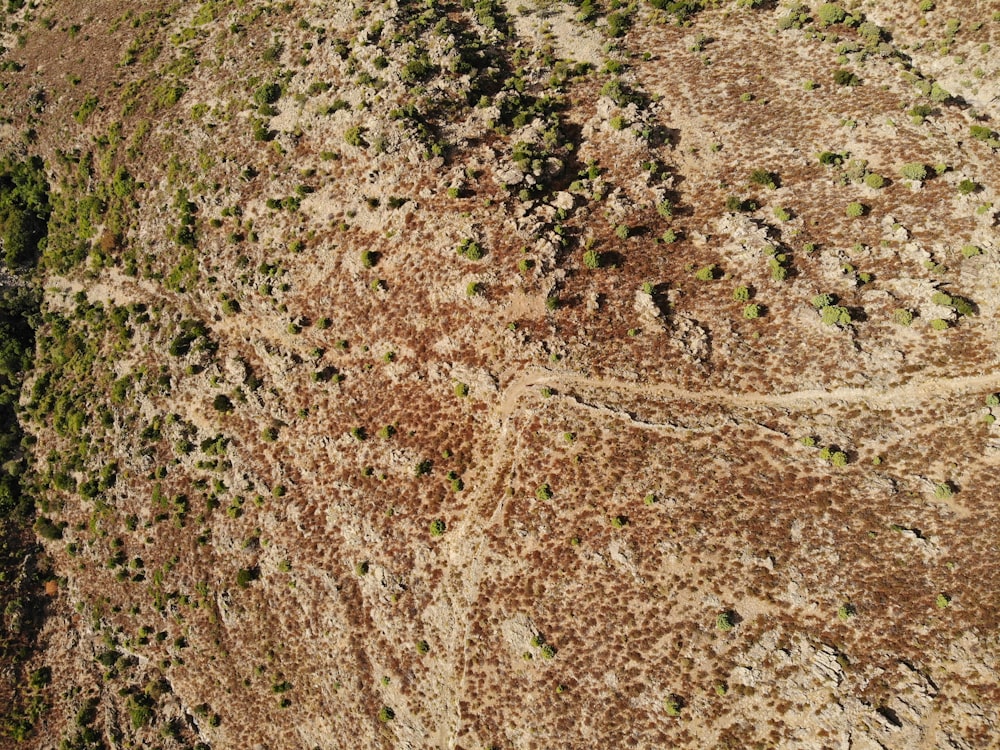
[
  {"x": 830, "y": 13},
  {"x": 706, "y": 273},
  {"x": 470, "y": 249},
  {"x": 725, "y": 621},
  {"x": 764, "y": 178},
  {"x": 914, "y": 171}
]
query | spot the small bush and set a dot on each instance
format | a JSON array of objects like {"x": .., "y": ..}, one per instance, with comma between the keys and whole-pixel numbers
[
  {"x": 940, "y": 324},
  {"x": 46, "y": 529},
  {"x": 914, "y": 171},
  {"x": 592, "y": 259},
  {"x": 855, "y": 209},
  {"x": 461, "y": 390},
  {"x": 423, "y": 647},
  {"x": 672, "y": 705},
  {"x": 544, "y": 492},
  {"x": 843, "y": 77},
  {"x": 823, "y": 300},
  {"x": 741, "y": 294},
  {"x": 437, "y": 527},
  {"x": 967, "y": 187},
  {"x": 943, "y": 491},
  {"x": 782, "y": 214},
  {"x": 968, "y": 251},
  {"x": 835, "y": 315},
  {"x": 353, "y": 137},
  {"x": 764, "y": 178},
  {"x": 874, "y": 180},
  {"x": 705, "y": 273},
  {"x": 386, "y": 714},
  {"x": 222, "y": 403},
  {"x": 830, "y": 13},
  {"x": 724, "y": 622},
  {"x": 267, "y": 94},
  {"x": 902, "y": 316},
  {"x": 751, "y": 311}
]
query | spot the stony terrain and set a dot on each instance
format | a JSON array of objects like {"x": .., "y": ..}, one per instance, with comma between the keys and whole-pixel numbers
[{"x": 471, "y": 374}]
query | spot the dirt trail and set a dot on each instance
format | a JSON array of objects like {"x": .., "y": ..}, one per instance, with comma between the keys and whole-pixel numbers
[{"x": 882, "y": 397}]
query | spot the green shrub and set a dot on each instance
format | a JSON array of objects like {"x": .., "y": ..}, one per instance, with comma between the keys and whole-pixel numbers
[
  {"x": 437, "y": 527},
  {"x": 353, "y": 136},
  {"x": 592, "y": 259},
  {"x": 914, "y": 171},
  {"x": 764, "y": 178},
  {"x": 855, "y": 209},
  {"x": 468, "y": 248},
  {"x": 267, "y": 94},
  {"x": 835, "y": 315},
  {"x": 461, "y": 390},
  {"x": 47, "y": 529},
  {"x": 943, "y": 491},
  {"x": 665, "y": 208},
  {"x": 705, "y": 273},
  {"x": 939, "y": 324},
  {"x": 874, "y": 180},
  {"x": 823, "y": 300},
  {"x": 902, "y": 316},
  {"x": 724, "y": 621},
  {"x": 423, "y": 647},
  {"x": 969, "y": 251},
  {"x": 782, "y": 214},
  {"x": 830, "y": 13},
  {"x": 544, "y": 492},
  {"x": 943, "y": 601},
  {"x": 741, "y": 294},
  {"x": 843, "y": 77},
  {"x": 386, "y": 714},
  {"x": 622, "y": 231},
  {"x": 222, "y": 403},
  {"x": 751, "y": 311},
  {"x": 672, "y": 705},
  {"x": 967, "y": 187}
]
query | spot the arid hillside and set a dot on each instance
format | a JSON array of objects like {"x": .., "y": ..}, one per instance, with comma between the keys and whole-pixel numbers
[{"x": 480, "y": 374}]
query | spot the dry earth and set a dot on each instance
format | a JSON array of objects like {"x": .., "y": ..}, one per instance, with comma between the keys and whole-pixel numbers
[{"x": 501, "y": 375}]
